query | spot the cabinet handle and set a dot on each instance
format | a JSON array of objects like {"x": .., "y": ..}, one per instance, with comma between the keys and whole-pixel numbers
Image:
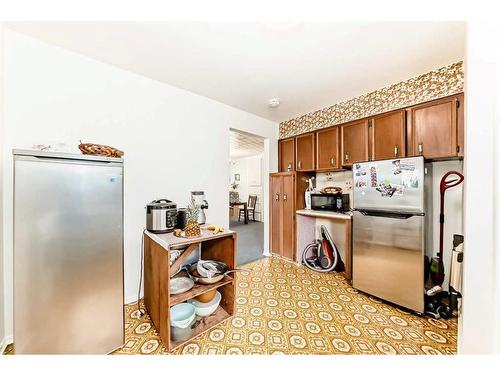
[
  {"x": 276, "y": 197},
  {"x": 300, "y": 164},
  {"x": 396, "y": 150},
  {"x": 420, "y": 148},
  {"x": 332, "y": 161},
  {"x": 284, "y": 197},
  {"x": 289, "y": 168},
  {"x": 347, "y": 156}
]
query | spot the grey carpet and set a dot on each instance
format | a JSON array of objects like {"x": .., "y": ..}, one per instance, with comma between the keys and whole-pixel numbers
[{"x": 250, "y": 240}]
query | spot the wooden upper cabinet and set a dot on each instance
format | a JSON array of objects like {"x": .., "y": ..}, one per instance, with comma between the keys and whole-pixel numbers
[
  {"x": 354, "y": 142},
  {"x": 304, "y": 152},
  {"x": 286, "y": 151},
  {"x": 434, "y": 128},
  {"x": 387, "y": 136},
  {"x": 327, "y": 149}
]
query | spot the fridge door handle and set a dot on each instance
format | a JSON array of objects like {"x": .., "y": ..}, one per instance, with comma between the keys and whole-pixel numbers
[
  {"x": 393, "y": 215},
  {"x": 48, "y": 159}
]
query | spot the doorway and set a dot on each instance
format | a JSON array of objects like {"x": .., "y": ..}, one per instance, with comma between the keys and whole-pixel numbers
[{"x": 246, "y": 194}]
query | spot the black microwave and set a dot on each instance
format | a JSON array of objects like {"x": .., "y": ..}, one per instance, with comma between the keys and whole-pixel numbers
[{"x": 330, "y": 202}]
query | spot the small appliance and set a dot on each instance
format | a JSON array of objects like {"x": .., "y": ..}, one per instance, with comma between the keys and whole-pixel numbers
[
  {"x": 322, "y": 255},
  {"x": 200, "y": 201},
  {"x": 161, "y": 215},
  {"x": 337, "y": 202},
  {"x": 308, "y": 192},
  {"x": 437, "y": 264},
  {"x": 181, "y": 218}
]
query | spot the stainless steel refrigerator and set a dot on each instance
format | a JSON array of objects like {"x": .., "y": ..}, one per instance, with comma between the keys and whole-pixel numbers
[
  {"x": 68, "y": 253},
  {"x": 388, "y": 230}
]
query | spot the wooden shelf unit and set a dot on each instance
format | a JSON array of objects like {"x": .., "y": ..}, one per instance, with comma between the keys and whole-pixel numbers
[
  {"x": 197, "y": 290},
  {"x": 157, "y": 272}
]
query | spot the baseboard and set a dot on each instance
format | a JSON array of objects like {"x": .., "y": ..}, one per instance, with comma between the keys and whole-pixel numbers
[
  {"x": 5, "y": 341},
  {"x": 131, "y": 299}
]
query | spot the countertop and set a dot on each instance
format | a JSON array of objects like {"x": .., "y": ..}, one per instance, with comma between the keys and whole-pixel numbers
[
  {"x": 169, "y": 241},
  {"x": 325, "y": 214}
]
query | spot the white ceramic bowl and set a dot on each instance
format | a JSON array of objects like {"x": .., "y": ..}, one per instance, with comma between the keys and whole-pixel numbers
[
  {"x": 206, "y": 309},
  {"x": 182, "y": 315}
]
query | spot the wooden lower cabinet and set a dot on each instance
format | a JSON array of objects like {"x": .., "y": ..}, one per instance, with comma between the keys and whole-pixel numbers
[{"x": 282, "y": 214}]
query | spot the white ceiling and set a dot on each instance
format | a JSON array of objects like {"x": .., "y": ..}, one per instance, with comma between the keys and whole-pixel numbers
[
  {"x": 306, "y": 65},
  {"x": 243, "y": 144}
]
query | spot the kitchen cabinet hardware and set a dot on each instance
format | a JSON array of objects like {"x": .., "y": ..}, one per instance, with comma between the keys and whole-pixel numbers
[
  {"x": 300, "y": 164},
  {"x": 396, "y": 150},
  {"x": 346, "y": 156},
  {"x": 332, "y": 161},
  {"x": 420, "y": 148},
  {"x": 277, "y": 197},
  {"x": 284, "y": 197}
]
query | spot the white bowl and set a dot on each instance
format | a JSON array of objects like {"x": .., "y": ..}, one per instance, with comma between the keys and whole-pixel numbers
[
  {"x": 182, "y": 315},
  {"x": 206, "y": 309}
]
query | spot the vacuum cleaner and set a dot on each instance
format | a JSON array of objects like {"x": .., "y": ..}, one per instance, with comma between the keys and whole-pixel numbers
[
  {"x": 322, "y": 255},
  {"x": 434, "y": 305}
]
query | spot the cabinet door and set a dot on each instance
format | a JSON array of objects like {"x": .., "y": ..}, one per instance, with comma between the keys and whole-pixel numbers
[
  {"x": 275, "y": 213},
  {"x": 288, "y": 217},
  {"x": 388, "y": 136},
  {"x": 304, "y": 152},
  {"x": 434, "y": 128},
  {"x": 354, "y": 142},
  {"x": 286, "y": 150},
  {"x": 327, "y": 149}
]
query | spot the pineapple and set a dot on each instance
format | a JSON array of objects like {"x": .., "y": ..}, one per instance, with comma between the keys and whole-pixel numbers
[{"x": 192, "y": 228}]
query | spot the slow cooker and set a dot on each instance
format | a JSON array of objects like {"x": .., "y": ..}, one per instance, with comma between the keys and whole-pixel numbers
[{"x": 161, "y": 216}]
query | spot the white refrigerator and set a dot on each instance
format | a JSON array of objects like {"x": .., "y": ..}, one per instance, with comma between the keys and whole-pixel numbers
[{"x": 68, "y": 253}]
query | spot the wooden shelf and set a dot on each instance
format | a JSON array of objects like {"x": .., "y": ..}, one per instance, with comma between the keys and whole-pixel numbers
[
  {"x": 206, "y": 323},
  {"x": 197, "y": 290}
]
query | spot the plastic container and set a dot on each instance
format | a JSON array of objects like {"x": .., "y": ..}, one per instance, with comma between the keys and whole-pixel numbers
[
  {"x": 182, "y": 321},
  {"x": 206, "y": 309}
]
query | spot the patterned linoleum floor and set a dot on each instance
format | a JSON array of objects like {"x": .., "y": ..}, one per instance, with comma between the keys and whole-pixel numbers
[{"x": 283, "y": 308}]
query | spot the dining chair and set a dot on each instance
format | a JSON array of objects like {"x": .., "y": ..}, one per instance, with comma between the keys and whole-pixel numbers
[{"x": 252, "y": 202}]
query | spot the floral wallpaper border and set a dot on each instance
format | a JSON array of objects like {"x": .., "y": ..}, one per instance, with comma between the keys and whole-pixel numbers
[{"x": 436, "y": 84}]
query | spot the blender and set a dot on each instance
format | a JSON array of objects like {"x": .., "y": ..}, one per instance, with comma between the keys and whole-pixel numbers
[{"x": 199, "y": 201}]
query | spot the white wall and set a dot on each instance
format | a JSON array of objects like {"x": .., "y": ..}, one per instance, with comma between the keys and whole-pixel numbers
[
  {"x": 453, "y": 211},
  {"x": 174, "y": 141},
  {"x": 248, "y": 168},
  {"x": 479, "y": 330},
  {"x": 2, "y": 320}
]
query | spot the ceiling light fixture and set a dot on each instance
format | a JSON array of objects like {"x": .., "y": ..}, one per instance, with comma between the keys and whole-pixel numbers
[{"x": 273, "y": 103}]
